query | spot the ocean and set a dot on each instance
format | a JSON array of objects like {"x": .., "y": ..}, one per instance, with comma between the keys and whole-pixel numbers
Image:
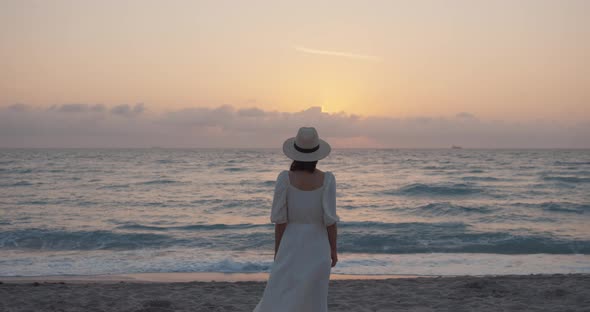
[{"x": 403, "y": 211}]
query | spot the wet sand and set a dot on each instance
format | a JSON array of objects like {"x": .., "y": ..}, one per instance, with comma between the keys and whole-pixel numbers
[{"x": 171, "y": 293}]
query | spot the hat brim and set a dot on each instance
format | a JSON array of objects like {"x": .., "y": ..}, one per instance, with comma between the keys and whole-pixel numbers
[{"x": 291, "y": 152}]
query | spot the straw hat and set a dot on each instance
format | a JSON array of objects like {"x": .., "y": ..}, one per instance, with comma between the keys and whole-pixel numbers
[{"x": 306, "y": 146}]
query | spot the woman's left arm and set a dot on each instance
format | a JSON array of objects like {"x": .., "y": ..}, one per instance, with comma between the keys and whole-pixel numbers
[{"x": 279, "y": 230}]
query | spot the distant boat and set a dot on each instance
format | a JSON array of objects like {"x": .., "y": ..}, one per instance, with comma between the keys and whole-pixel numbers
[{"x": 456, "y": 147}]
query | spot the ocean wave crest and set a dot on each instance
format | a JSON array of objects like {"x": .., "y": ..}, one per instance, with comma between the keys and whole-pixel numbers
[
  {"x": 476, "y": 178},
  {"x": 451, "y": 189},
  {"x": 449, "y": 209},
  {"x": 230, "y": 266},
  {"x": 234, "y": 169},
  {"x": 558, "y": 207},
  {"x": 162, "y": 181},
  {"x": 80, "y": 240},
  {"x": 194, "y": 227},
  {"x": 571, "y": 163},
  {"x": 355, "y": 237},
  {"x": 567, "y": 179},
  {"x": 408, "y": 238},
  {"x": 16, "y": 184}
]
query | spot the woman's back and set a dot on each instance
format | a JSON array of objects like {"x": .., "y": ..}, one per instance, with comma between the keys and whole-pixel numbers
[
  {"x": 307, "y": 181},
  {"x": 305, "y": 205},
  {"x": 295, "y": 205}
]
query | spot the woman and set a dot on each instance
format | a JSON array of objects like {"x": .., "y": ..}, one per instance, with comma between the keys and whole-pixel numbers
[{"x": 304, "y": 213}]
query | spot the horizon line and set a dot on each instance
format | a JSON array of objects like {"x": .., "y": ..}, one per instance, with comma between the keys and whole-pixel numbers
[{"x": 279, "y": 148}]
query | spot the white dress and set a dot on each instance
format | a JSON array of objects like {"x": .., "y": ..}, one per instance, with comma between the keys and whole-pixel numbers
[{"x": 299, "y": 276}]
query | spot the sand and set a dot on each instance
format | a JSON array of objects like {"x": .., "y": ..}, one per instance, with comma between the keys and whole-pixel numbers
[{"x": 463, "y": 293}]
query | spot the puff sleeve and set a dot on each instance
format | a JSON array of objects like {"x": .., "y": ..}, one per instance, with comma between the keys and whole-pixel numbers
[
  {"x": 329, "y": 200},
  {"x": 278, "y": 212}
]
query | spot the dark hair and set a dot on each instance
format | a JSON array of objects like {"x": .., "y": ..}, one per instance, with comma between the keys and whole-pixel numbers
[{"x": 308, "y": 166}]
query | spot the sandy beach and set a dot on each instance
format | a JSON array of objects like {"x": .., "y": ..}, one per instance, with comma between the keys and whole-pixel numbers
[{"x": 464, "y": 293}]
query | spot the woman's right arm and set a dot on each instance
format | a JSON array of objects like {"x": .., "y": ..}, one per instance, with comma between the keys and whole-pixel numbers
[
  {"x": 279, "y": 230},
  {"x": 332, "y": 237},
  {"x": 330, "y": 216}
]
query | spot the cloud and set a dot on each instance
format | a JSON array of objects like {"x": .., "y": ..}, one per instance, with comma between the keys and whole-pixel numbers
[
  {"x": 200, "y": 117},
  {"x": 336, "y": 53},
  {"x": 465, "y": 115},
  {"x": 128, "y": 111},
  {"x": 19, "y": 107},
  {"x": 77, "y": 108},
  {"x": 81, "y": 125},
  {"x": 251, "y": 112}
]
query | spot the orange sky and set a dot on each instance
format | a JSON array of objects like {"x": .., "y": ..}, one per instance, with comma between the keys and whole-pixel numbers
[{"x": 509, "y": 60}]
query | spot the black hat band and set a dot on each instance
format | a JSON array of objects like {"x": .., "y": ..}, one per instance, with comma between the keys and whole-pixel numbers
[{"x": 306, "y": 150}]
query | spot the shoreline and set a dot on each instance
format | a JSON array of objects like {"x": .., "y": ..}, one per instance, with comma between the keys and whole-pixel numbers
[
  {"x": 178, "y": 277},
  {"x": 214, "y": 277}
]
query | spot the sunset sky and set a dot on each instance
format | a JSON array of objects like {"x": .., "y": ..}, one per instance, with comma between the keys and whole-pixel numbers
[{"x": 511, "y": 73}]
